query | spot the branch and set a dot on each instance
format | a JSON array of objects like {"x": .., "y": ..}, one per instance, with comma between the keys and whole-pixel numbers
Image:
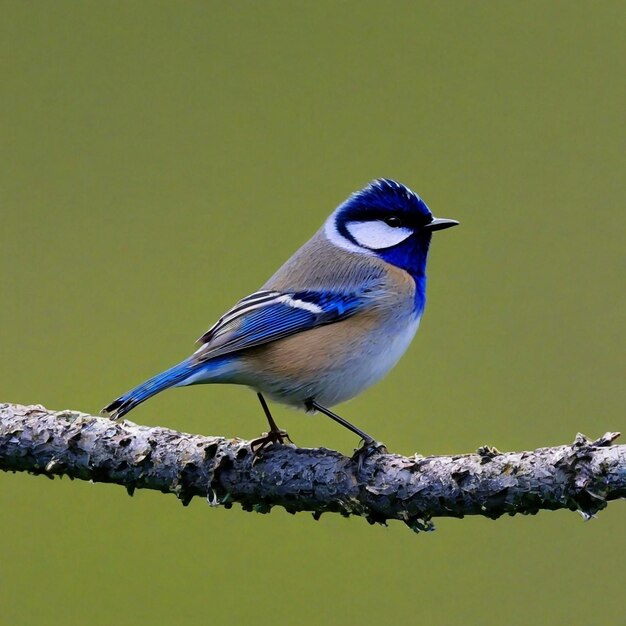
[{"x": 583, "y": 476}]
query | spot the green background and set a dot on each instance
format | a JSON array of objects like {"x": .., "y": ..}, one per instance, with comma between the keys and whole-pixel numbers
[{"x": 158, "y": 161}]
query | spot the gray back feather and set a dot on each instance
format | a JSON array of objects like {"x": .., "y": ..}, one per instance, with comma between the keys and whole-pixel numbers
[{"x": 320, "y": 265}]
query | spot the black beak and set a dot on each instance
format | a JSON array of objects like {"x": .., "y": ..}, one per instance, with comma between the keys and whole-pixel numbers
[{"x": 439, "y": 223}]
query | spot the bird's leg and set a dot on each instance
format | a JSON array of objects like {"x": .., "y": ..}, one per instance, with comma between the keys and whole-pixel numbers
[
  {"x": 370, "y": 445},
  {"x": 275, "y": 434},
  {"x": 312, "y": 405}
]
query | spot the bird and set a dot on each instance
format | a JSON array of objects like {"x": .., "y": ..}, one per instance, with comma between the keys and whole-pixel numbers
[{"x": 333, "y": 320}]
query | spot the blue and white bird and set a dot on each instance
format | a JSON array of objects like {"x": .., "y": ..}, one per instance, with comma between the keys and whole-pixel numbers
[{"x": 333, "y": 320}]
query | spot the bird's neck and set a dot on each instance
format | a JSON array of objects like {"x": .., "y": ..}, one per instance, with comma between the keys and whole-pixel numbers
[
  {"x": 420, "y": 293},
  {"x": 411, "y": 256}
]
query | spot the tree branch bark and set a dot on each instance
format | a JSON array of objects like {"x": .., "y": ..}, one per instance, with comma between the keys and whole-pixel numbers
[{"x": 582, "y": 476}]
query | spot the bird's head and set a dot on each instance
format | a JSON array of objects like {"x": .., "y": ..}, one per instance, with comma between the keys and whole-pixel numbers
[{"x": 387, "y": 220}]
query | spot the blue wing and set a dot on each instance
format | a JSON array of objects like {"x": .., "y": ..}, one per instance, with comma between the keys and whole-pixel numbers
[
  {"x": 260, "y": 318},
  {"x": 267, "y": 316}
]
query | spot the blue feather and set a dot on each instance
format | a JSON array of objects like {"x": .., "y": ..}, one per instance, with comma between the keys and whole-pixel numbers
[
  {"x": 149, "y": 388},
  {"x": 276, "y": 317},
  {"x": 264, "y": 319}
]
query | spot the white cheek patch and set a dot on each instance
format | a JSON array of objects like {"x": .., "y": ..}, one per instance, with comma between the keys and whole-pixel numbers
[{"x": 377, "y": 235}]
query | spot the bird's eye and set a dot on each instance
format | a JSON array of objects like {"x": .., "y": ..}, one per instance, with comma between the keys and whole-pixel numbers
[{"x": 394, "y": 221}]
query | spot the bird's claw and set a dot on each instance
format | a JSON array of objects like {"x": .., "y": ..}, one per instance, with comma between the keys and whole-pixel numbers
[
  {"x": 268, "y": 439},
  {"x": 368, "y": 448}
]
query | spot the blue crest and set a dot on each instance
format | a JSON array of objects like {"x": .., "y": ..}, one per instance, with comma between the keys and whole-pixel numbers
[{"x": 382, "y": 197}]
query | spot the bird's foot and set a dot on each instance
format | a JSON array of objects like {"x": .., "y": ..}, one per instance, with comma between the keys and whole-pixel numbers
[
  {"x": 268, "y": 439},
  {"x": 368, "y": 448}
]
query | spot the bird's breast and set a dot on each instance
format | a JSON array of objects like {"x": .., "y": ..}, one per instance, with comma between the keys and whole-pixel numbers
[{"x": 331, "y": 363}]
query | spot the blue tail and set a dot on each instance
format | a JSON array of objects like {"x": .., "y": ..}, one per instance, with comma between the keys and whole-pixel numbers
[{"x": 151, "y": 387}]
